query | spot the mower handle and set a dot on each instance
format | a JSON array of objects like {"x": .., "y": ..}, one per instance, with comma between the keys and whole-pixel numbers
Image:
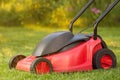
[
  {"x": 79, "y": 14},
  {"x": 102, "y": 16}
]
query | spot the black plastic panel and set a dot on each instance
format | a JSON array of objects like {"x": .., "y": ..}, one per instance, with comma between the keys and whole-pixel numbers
[
  {"x": 52, "y": 43},
  {"x": 58, "y": 41}
]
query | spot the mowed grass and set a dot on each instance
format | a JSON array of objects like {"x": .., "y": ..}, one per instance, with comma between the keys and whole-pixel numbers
[{"x": 19, "y": 40}]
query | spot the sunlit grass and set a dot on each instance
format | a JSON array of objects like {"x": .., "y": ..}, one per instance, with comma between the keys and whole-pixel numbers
[
  {"x": 23, "y": 40},
  {"x": 38, "y": 28}
]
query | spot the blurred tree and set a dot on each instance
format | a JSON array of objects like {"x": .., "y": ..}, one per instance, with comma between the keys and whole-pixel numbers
[{"x": 46, "y": 12}]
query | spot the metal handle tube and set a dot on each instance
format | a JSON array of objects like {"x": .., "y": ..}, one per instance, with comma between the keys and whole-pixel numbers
[
  {"x": 79, "y": 14},
  {"x": 102, "y": 16}
]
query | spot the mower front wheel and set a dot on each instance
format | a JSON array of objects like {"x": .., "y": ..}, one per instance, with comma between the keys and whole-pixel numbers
[
  {"x": 41, "y": 65},
  {"x": 104, "y": 59},
  {"x": 14, "y": 60}
]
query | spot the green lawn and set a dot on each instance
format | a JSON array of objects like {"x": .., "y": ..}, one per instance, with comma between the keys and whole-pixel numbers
[{"x": 19, "y": 40}]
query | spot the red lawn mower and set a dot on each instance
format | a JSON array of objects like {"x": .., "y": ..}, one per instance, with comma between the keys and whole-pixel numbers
[{"x": 67, "y": 52}]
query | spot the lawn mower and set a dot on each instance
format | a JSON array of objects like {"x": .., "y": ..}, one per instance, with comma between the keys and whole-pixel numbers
[{"x": 67, "y": 52}]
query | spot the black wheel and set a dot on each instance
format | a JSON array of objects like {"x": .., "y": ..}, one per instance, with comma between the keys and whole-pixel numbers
[
  {"x": 14, "y": 60},
  {"x": 41, "y": 65},
  {"x": 104, "y": 59}
]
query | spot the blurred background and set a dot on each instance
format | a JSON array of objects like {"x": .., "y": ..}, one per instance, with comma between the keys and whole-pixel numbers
[{"x": 54, "y": 13}]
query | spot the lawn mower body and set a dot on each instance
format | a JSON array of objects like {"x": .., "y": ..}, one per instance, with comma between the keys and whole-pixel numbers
[
  {"x": 67, "y": 52},
  {"x": 78, "y": 58}
]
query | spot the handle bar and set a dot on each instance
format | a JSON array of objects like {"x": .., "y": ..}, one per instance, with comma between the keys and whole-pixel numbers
[
  {"x": 79, "y": 14},
  {"x": 102, "y": 16}
]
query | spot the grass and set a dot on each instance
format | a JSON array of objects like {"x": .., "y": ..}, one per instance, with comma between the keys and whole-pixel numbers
[{"x": 14, "y": 40}]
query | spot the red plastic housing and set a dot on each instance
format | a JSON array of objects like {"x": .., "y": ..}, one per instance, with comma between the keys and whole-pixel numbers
[{"x": 78, "y": 58}]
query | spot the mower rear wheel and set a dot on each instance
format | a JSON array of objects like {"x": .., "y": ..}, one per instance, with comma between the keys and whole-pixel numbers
[
  {"x": 14, "y": 60},
  {"x": 41, "y": 65},
  {"x": 104, "y": 59}
]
